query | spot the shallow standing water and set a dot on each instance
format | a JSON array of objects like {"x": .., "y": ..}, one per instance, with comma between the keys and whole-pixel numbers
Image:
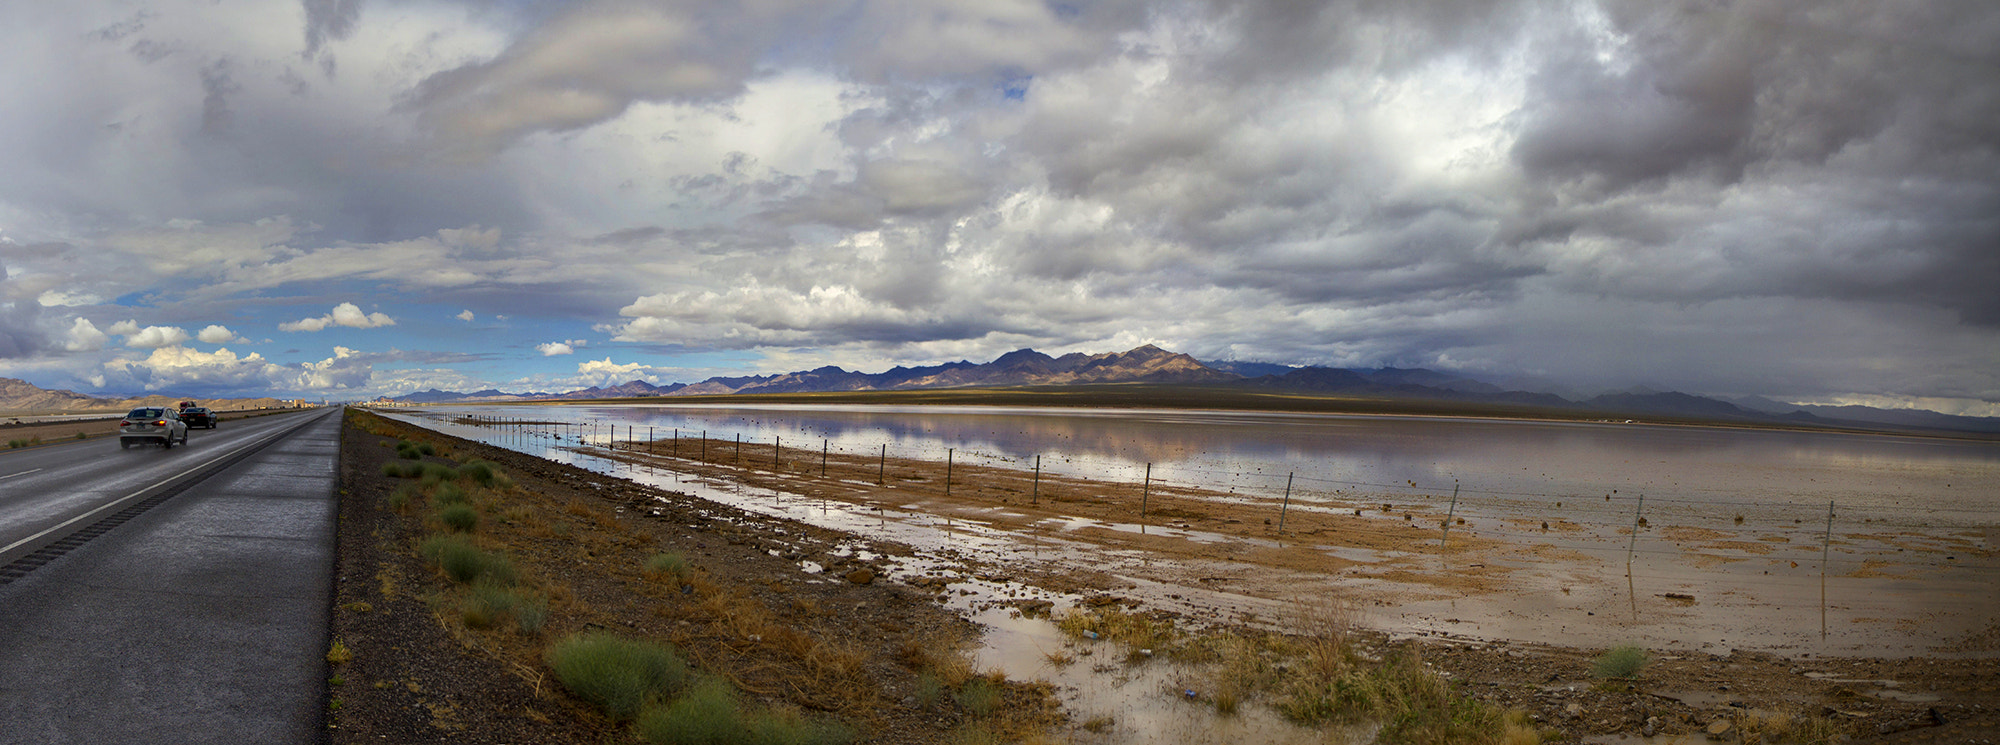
[{"x": 1740, "y": 519}]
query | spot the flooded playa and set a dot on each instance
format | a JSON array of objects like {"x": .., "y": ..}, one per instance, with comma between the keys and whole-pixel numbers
[
  {"x": 1541, "y": 533},
  {"x": 1576, "y": 535}
]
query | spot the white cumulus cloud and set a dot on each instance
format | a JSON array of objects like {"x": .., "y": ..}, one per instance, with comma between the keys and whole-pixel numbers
[
  {"x": 551, "y": 349},
  {"x": 155, "y": 337},
  {"x": 345, "y": 369},
  {"x": 176, "y": 367},
  {"x": 84, "y": 337},
  {"x": 344, "y": 314},
  {"x": 465, "y": 315},
  {"x": 606, "y": 372},
  {"x": 216, "y": 334}
]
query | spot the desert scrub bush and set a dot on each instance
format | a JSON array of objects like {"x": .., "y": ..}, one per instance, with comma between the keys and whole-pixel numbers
[
  {"x": 709, "y": 714},
  {"x": 82, "y": 436},
  {"x": 480, "y": 472},
  {"x": 669, "y": 566},
  {"x": 1412, "y": 703},
  {"x": 617, "y": 674},
  {"x": 944, "y": 659},
  {"x": 396, "y": 470},
  {"x": 488, "y": 603},
  {"x": 531, "y": 615},
  {"x": 980, "y": 696},
  {"x": 1621, "y": 663},
  {"x": 1239, "y": 670},
  {"x": 1135, "y": 630},
  {"x": 929, "y": 691},
  {"x": 399, "y": 500},
  {"x": 414, "y": 450},
  {"x": 432, "y": 474},
  {"x": 459, "y": 517},
  {"x": 339, "y": 654},
  {"x": 466, "y": 563},
  {"x": 450, "y": 494}
]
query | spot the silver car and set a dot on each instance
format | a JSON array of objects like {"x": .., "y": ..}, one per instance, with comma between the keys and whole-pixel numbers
[{"x": 152, "y": 424}]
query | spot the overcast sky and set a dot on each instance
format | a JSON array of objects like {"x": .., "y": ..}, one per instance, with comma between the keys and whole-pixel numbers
[{"x": 348, "y": 198}]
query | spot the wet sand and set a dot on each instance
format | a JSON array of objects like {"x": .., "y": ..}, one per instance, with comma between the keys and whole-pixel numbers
[{"x": 1216, "y": 553}]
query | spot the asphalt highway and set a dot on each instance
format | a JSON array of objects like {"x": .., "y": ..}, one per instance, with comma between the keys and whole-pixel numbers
[{"x": 201, "y": 619}]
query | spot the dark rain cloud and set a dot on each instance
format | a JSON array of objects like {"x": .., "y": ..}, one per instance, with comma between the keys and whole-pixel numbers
[{"x": 1735, "y": 196}]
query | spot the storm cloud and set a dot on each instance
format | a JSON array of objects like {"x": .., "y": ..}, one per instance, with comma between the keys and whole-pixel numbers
[{"x": 1775, "y": 197}]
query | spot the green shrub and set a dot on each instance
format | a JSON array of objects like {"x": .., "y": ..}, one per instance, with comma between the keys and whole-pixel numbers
[
  {"x": 408, "y": 450},
  {"x": 395, "y": 470},
  {"x": 929, "y": 690},
  {"x": 400, "y": 499},
  {"x": 433, "y": 474},
  {"x": 464, "y": 562},
  {"x": 1623, "y": 663},
  {"x": 531, "y": 615},
  {"x": 706, "y": 715},
  {"x": 479, "y": 472},
  {"x": 980, "y": 696},
  {"x": 789, "y": 727},
  {"x": 459, "y": 517},
  {"x": 619, "y": 675},
  {"x": 487, "y": 604},
  {"x": 709, "y": 714},
  {"x": 449, "y": 494},
  {"x": 82, "y": 436},
  {"x": 669, "y": 566},
  {"x": 17, "y": 443}
]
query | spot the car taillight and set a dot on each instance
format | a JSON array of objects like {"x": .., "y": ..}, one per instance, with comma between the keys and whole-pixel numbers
[
  {"x": 161, "y": 423},
  {"x": 124, "y": 422}
]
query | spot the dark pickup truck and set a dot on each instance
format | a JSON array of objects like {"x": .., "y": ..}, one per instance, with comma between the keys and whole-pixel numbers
[{"x": 196, "y": 416}]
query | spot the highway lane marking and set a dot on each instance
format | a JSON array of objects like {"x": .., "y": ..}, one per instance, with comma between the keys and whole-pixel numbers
[
  {"x": 127, "y": 498},
  {"x": 23, "y": 473}
]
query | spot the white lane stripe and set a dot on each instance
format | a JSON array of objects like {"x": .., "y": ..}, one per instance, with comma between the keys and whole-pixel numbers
[
  {"x": 23, "y": 473},
  {"x": 121, "y": 500}
]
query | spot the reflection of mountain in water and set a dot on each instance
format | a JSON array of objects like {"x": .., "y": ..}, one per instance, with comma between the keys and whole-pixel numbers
[
  {"x": 1492, "y": 459},
  {"x": 1175, "y": 374}
]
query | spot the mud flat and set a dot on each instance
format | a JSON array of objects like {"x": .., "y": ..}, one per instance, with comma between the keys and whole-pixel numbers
[{"x": 1477, "y": 598}]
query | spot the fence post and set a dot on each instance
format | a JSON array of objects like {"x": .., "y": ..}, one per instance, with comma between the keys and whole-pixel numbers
[
  {"x": 677, "y": 442},
  {"x": 739, "y": 448},
  {"x": 777, "y": 449},
  {"x": 1036, "y": 499},
  {"x": 1146, "y": 491},
  {"x": 704, "y": 446},
  {"x": 947, "y": 473},
  {"x": 1634, "y": 543},
  {"x": 822, "y": 457},
  {"x": 882, "y": 467},
  {"x": 1825, "y": 546},
  {"x": 1448, "y": 515},
  {"x": 1287, "y": 506}
]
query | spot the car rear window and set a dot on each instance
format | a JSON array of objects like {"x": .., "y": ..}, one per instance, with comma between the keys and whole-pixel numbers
[{"x": 146, "y": 414}]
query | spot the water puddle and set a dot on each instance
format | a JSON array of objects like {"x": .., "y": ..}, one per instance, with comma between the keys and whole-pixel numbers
[{"x": 1561, "y": 591}]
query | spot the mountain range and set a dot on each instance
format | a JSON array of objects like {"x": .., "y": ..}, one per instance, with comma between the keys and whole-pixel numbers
[
  {"x": 1152, "y": 365},
  {"x": 21, "y": 396}
]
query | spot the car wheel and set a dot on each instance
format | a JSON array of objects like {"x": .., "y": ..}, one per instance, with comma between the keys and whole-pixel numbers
[
  {"x": 167, "y": 443},
  {"x": 124, "y": 444}
]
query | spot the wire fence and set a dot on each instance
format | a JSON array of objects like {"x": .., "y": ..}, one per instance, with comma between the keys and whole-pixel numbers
[{"x": 1721, "y": 534}]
